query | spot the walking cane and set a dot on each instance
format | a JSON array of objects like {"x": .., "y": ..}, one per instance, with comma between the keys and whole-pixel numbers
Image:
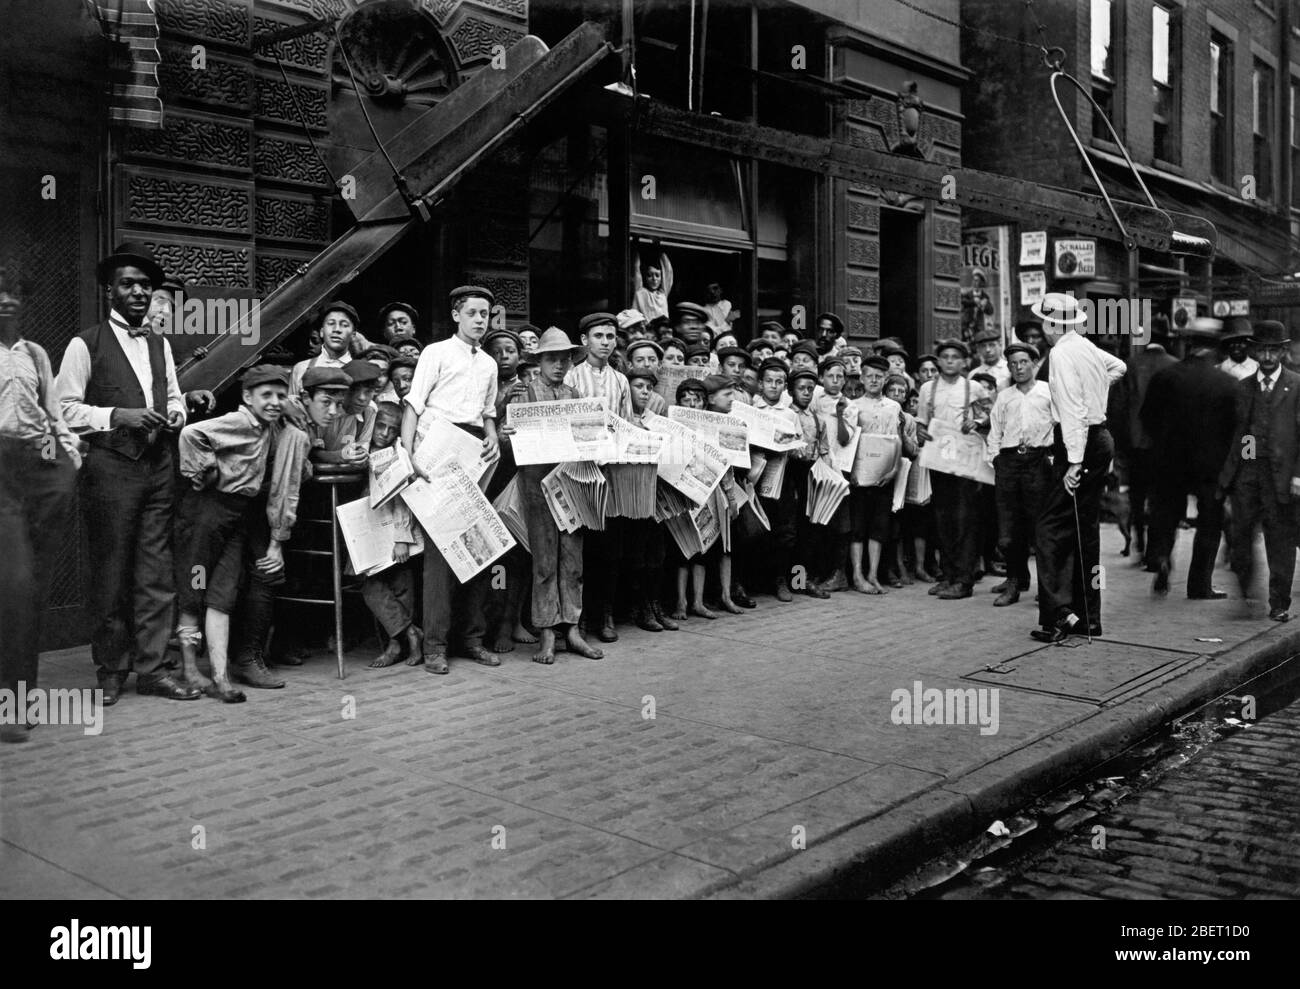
[{"x": 1078, "y": 533}]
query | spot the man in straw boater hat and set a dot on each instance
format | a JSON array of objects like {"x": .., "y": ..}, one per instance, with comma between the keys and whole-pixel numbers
[
  {"x": 1188, "y": 415},
  {"x": 117, "y": 387},
  {"x": 1079, "y": 377},
  {"x": 1262, "y": 472},
  {"x": 455, "y": 380},
  {"x": 556, "y": 555}
]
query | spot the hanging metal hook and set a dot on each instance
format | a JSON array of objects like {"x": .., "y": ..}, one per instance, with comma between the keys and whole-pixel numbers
[{"x": 1053, "y": 58}]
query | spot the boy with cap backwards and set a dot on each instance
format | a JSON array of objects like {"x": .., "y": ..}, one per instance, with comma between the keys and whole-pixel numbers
[
  {"x": 456, "y": 381},
  {"x": 557, "y": 555},
  {"x": 1019, "y": 441},
  {"x": 955, "y": 500},
  {"x": 244, "y": 469},
  {"x": 505, "y": 347},
  {"x": 594, "y": 378},
  {"x": 338, "y": 322},
  {"x": 871, "y": 506}
]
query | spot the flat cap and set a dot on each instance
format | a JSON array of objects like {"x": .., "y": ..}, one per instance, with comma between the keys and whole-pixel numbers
[
  {"x": 772, "y": 324},
  {"x": 378, "y": 351},
  {"x": 592, "y": 320},
  {"x": 406, "y": 340},
  {"x": 510, "y": 335},
  {"x": 725, "y": 352},
  {"x": 986, "y": 335},
  {"x": 717, "y": 382},
  {"x": 691, "y": 309},
  {"x": 471, "y": 291},
  {"x": 402, "y": 361},
  {"x": 326, "y": 377},
  {"x": 799, "y": 374},
  {"x": 835, "y": 320},
  {"x": 405, "y": 307},
  {"x": 338, "y": 305},
  {"x": 648, "y": 373},
  {"x": 805, "y": 347},
  {"x": 362, "y": 372},
  {"x": 758, "y": 343},
  {"x": 772, "y": 364},
  {"x": 636, "y": 345},
  {"x": 1020, "y": 348},
  {"x": 264, "y": 374},
  {"x": 877, "y": 361},
  {"x": 850, "y": 352},
  {"x": 690, "y": 384},
  {"x": 696, "y": 350},
  {"x": 628, "y": 318},
  {"x": 952, "y": 343}
]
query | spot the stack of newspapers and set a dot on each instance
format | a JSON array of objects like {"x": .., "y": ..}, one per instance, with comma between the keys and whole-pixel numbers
[
  {"x": 669, "y": 502},
  {"x": 577, "y": 495},
  {"x": 826, "y": 489},
  {"x": 631, "y": 490},
  {"x": 696, "y": 530}
]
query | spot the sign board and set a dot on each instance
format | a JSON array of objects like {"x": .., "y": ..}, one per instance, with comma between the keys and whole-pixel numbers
[
  {"x": 1231, "y": 307},
  {"x": 1182, "y": 312},
  {"x": 985, "y": 284},
  {"x": 1076, "y": 258},
  {"x": 1032, "y": 286},
  {"x": 1033, "y": 248}
]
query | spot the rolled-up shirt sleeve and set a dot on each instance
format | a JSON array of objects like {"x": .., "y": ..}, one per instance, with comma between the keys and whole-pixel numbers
[
  {"x": 70, "y": 387},
  {"x": 490, "y": 401},
  {"x": 423, "y": 381},
  {"x": 175, "y": 400},
  {"x": 197, "y": 456}
]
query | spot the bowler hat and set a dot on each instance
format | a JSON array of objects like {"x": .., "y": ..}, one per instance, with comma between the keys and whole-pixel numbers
[
  {"x": 1237, "y": 328},
  {"x": 134, "y": 253},
  {"x": 555, "y": 341},
  {"x": 1270, "y": 331}
]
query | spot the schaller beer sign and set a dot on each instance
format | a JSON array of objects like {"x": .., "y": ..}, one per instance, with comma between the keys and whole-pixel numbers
[{"x": 1075, "y": 258}]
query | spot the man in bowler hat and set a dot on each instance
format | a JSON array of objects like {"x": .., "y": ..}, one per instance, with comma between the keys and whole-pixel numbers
[
  {"x": 117, "y": 388},
  {"x": 1262, "y": 472}
]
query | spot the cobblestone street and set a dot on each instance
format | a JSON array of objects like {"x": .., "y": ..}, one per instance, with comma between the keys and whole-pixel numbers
[{"x": 525, "y": 781}]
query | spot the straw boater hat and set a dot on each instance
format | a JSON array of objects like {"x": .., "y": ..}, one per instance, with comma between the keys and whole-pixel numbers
[
  {"x": 628, "y": 318},
  {"x": 1059, "y": 308}
]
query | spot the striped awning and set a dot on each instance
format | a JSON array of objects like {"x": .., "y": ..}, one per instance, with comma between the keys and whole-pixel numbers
[{"x": 132, "y": 25}]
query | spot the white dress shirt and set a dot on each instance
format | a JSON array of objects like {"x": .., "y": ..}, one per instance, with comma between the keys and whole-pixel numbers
[
  {"x": 1021, "y": 418},
  {"x": 1240, "y": 371},
  {"x": 453, "y": 381},
  {"x": 949, "y": 402},
  {"x": 1270, "y": 378},
  {"x": 877, "y": 416},
  {"x": 323, "y": 359},
  {"x": 1001, "y": 373},
  {"x": 74, "y": 376},
  {"x": 1080, "y": 375}
]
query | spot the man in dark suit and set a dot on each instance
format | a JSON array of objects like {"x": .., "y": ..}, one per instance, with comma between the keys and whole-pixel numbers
[
  {"x": 117, "y": 388},
  {"x": 1188, "y": 417},
  {"x": 1260, "y": 475},
  {"x": 1132, "y": 437}
]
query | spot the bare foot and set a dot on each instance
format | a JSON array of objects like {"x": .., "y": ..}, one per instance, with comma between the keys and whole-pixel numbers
[
  {"x": 731, "y": 606},
  {"x": 196, "y": 678},
  {"x": 504, "y": 644},
  {"x": 680, "y": 613},
  {"x": 579, "y": 645},
  {"x": 701, "y": 611},
  {"x": 389, "y": 657},
  {"x": 522, "y": 636},
  {"x": 873, "y": 587},
  {"x": 861, "y": 587},
  {"x": 546, "y": 651}
]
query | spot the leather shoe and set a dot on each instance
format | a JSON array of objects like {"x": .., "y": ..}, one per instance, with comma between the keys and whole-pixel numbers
[
  {"x": 739, "y": 596},
  {"x": 1279, "y": 614},
  {"x": 482, "y": 656},
  {"x": 111, "y": 687},
  {"x": 646, "y": 621},
  {"x": 1048, "y": 635},
  {"x": 1000, "y": 588},
  {"x": 816, "y": 591},
  {"x": 954, "y": 592},
  {"x": 1213, "y": 594},
  {"x": 167, "y": 686},
  {"x": 436, "y": 662},
  {"x": 937, "y": 588},
  {"x": 1009, "y": 596},
  {"x": 1161, "y": 584},
  {"x": 667, "y": 623},
  {"x": 783, "y": 592}
]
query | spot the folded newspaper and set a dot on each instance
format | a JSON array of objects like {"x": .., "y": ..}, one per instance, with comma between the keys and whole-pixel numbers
[
  {"x": 689, "y": 462},
  {"x": 728, "y": 433},
  {"x": 826, "y": 489},
  {"x": 390, "y": 471},
  {"x": 770, "y": 429},
  {"x": 577, "y": 494},
  {"x": 459, "y": 519}
]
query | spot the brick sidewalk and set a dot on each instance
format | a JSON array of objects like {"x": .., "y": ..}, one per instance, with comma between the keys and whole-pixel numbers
[{"x": 764, "y": 723}]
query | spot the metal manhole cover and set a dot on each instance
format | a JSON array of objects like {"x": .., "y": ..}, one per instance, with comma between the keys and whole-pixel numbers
[{"x": 1097, "y": 673}]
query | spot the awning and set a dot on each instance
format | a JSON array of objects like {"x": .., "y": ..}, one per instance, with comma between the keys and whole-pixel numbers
[{"x": 432, "y": 153}]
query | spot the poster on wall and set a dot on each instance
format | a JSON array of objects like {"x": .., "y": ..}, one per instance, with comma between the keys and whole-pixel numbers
[
  {"x": 1076, "y": 258},
  {"x": 985, "y": 285},
  {"x": 1033, "y": 248},
  {"x": 1032, "y": 286}
]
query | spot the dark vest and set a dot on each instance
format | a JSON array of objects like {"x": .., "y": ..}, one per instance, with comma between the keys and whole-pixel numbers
[
  {"x": 1261, "y": 419},
  {"x": 113, "y": 384}
]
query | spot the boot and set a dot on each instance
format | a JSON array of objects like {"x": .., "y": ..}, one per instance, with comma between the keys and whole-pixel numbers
[
  {"x": 783, "y": 592},
  {"x": 658, "y": 611},
  {"x": 836, "y": 582},
  {"x": 644, "y": 617},
  {"x": 607, "y": 633},
  {"x": 250, "y": 670}
]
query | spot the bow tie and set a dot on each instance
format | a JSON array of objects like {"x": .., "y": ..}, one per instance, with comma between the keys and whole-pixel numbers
[{"x": 137, "y": 331}]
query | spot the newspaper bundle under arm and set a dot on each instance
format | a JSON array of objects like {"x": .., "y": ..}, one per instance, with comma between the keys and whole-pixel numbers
[
  {"x": 370, "y": 533},
  {"x": 444, "y": 442},
  {"x": 950, "y": 451}
]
